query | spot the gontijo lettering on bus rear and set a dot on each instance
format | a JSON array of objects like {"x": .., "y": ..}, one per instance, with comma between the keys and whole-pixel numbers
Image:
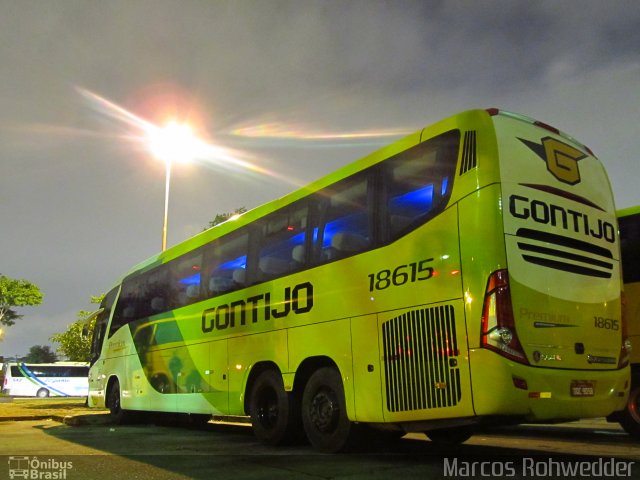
[
  {"x": 558, "y": 216},
  {"x": 295, "y": 301}
]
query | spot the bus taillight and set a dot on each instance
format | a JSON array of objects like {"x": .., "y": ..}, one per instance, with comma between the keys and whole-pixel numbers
[{"x": 498, "y": 325}]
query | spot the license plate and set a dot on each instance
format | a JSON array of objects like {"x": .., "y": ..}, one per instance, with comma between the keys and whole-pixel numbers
[{"x": 582, "y": 388}]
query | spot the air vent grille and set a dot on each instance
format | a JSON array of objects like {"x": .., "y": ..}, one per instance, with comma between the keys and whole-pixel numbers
[
  {"x": 468, "y": 152},
  {"x": 420, "y": 359},
  {"x": 564, "y": 253}
]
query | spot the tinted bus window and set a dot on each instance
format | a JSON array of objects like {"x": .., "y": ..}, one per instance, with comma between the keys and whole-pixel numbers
[
  {"x": 630, "y": 246},
  {"x": 345, "y": 220},
  {"x": 282, "y": 242},
  {"x": 419, "y": 182},
  {"x": 226, "y": 264}
]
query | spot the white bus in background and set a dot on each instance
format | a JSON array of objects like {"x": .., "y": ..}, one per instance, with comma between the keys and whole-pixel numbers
[{"x": 60, "y": 379}]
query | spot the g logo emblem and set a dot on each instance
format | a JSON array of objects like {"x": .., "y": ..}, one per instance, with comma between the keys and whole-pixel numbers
[{"x": 561, "y": 159}]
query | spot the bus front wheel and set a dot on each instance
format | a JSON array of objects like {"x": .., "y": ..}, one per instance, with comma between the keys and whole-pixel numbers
[
  {"x": 324, "y": 413},
  {"x": 118, "y": 414},
  {"x": 42, "y": 393},
  {"x": 274, "y": 416}
]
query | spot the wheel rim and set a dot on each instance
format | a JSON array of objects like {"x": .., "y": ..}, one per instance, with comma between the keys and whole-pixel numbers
[
  {"x": 324, "y": 411},
  {"x": 115, "y": 399},
  {"x": 267, "y": 409}
]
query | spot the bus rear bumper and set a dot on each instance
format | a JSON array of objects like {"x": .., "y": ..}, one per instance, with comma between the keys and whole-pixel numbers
[{"x": 544, "y": 394}]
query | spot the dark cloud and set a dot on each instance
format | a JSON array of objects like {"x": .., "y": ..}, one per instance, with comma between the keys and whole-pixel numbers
[{"x": 83, "y": 204}]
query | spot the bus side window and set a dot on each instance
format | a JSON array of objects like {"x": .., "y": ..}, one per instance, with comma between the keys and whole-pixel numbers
[
  {"x": 127, "y": 306},
  {"x": 226, "y": 265},
  {"x": 344, "y": 221},
  {"x": 282, "y": 242},
  {"x": 418, "y": 183},
  {"x": 184, "y": 274}
]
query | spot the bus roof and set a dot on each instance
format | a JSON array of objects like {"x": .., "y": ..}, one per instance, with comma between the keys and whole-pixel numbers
[
  {"x": 238, "y": 221},
  {"x": 260, "y": 211},
  {"x": 625, "y": 212}
]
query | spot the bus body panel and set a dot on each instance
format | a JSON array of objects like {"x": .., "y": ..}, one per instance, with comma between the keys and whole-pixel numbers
[
  {"x": 481, "y": 250},
  {"x": 629, "y": 222},
  {"x": 367, "y": 385},
  {"x": 632, "y": 312},
  {"x": 548, "y": 395},
  {"x": 244, "y": 353},
  {"x": 562, "y": 249}
]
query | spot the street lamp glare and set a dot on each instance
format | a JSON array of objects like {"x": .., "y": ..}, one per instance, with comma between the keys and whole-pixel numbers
[{"x": 175, "y": 142}]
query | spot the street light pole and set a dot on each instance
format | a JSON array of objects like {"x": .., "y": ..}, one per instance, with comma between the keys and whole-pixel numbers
[
  {"x": 174, "y": 142},
  {"x": 166, "y": 203}
]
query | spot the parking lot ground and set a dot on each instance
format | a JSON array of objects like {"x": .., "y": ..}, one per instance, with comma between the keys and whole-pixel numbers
[
  {"x": 220, "y": 450},
  {"x": 58, "y": 430}
]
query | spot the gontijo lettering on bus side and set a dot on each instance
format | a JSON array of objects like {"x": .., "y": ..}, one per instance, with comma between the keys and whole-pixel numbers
[{"x": 293, "y": 301}]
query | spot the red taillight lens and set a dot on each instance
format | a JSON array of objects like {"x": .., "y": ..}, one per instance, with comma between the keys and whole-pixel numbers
[
  {"x": 546, "y": 126},
  {"x": 498, "y": 325}
]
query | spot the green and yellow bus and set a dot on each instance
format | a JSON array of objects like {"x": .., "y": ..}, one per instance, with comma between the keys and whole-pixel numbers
[
  {"x": 466, "y": 274},
  {"x": 629, "y": 225}
]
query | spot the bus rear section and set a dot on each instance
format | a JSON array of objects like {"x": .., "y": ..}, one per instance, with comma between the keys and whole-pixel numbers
[
  {"x": 629, "y": 225},
  {"x": 551, "y": 326}
]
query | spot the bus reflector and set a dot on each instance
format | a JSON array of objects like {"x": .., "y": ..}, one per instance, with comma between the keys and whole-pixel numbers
[
  {"x": 539, "y": 394},
  {"x": 498, "y": 326}
]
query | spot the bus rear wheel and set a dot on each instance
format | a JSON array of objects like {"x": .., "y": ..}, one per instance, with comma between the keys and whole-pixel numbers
[
  {"x": 630, "y": 417},
  {"x": 324, "y": 413},
  {"x": 274, "y": 416}
]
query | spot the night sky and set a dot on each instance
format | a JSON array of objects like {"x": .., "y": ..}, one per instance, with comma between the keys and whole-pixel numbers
[{"x": 288, "y": 86}]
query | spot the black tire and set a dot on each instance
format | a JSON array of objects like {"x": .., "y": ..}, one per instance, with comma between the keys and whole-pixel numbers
[
  {"x": 118, "y": 414},
  {"x": 450, "y": 436},
  {"x": 275, "y": 415},
  {"x": 324, "y": 412},
  {"x": 42, "y": 393},
  {"x": 630, "y": 417}
]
